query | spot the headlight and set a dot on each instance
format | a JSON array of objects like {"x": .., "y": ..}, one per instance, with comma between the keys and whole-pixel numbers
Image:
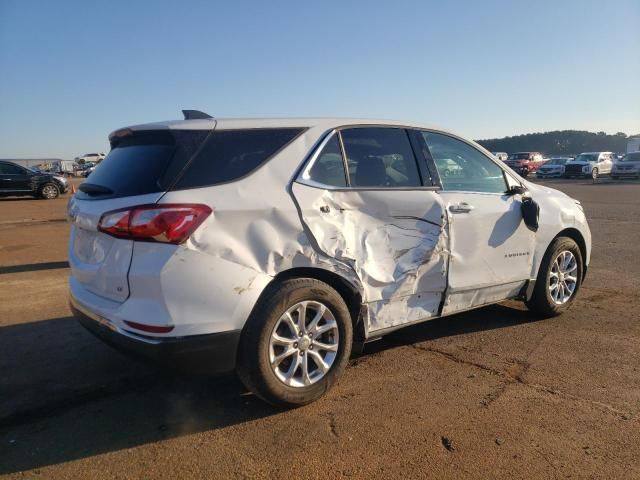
[{"x": 585, "y": 169}]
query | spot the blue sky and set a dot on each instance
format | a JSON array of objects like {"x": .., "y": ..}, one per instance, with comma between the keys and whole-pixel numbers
[{"x": 71, "y": 72}]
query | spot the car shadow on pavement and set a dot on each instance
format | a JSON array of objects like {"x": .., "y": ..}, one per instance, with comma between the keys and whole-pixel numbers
[{"x": 67, "y": 396}]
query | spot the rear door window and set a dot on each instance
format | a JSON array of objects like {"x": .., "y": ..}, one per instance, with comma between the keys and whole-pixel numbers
[
  {"x": 380, "y": 157},
  {"x": 229, "y": 155}
]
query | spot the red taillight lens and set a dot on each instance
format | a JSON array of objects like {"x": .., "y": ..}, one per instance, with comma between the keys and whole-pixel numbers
[
  {"x": 160, "y": 223},
  {"x": 149, "y": 328}
]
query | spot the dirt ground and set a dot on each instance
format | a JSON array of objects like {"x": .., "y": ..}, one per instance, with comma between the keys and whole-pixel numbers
[{"x": 495, "y": 393}]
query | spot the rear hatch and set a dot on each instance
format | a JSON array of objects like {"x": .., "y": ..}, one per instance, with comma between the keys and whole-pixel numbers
[{"x": 140, "y": 167}]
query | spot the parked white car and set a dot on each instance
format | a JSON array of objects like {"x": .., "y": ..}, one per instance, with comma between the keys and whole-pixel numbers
[
  {"x": 553, "y": 167},
  {"x": 273, "y": 246},
  {"x": 590, "y": 164},
  {"x": 502, "y": 156},
  {"x": 628, "y": 167},
  {"x": 90, "y": 158}
]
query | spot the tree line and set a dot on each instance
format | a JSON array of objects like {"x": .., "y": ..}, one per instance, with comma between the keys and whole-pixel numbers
[{"x": 560, "y": 142}]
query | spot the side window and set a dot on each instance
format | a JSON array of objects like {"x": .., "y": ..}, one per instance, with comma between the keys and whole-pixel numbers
[
  {"x": 229, "y": 155},
  {"x": 9, "y": 169},
  {"x": 328, "y": 168},
  {"x": 380, "y": 157},
  {"x": 463, "y": 168}
]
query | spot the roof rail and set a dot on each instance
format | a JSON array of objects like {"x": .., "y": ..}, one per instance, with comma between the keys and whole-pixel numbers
[{"x": 195, "y": 115}]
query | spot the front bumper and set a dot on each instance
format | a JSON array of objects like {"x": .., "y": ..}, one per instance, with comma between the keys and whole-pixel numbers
[
  {"x": 213, "y": 353},
  {"x": 521, "y": 170}
]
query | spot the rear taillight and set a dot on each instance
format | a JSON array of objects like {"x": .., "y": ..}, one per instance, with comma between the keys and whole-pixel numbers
[{"x": 171, "y": 223}]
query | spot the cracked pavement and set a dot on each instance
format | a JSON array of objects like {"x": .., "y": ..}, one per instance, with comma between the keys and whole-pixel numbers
[{"x": 510, "y": 395}]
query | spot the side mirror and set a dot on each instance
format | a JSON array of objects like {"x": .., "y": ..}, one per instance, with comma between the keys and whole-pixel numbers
[
  {"x": 516, "y": 190},
  {"x": 530, "y": 213}
]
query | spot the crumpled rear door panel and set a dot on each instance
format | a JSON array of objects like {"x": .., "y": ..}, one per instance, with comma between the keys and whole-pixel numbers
[{"x": 395, "y": 241}]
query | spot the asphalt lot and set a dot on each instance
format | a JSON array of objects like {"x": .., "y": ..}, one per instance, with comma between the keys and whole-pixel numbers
[{"x": 494, "y": 393}]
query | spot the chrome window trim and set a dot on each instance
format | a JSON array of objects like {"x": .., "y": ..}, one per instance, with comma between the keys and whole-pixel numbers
[{"x": 304, "y": 178}]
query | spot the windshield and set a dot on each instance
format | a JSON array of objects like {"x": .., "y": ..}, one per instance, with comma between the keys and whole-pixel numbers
[
  {"x": 587, "y": 157},
  {"x": 519, "y": 156},
  {"x": 631, "y": 157},
  {"x": 557, "y": 161}
]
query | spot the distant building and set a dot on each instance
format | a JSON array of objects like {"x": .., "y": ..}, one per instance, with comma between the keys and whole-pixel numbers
[{"x": 633, "y": 144}]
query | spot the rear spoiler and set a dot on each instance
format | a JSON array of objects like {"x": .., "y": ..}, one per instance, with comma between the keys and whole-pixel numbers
[{"x": 195, "y": 115}]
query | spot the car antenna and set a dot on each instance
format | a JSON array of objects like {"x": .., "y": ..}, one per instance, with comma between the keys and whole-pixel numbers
[{"x": 195, "y": 115}]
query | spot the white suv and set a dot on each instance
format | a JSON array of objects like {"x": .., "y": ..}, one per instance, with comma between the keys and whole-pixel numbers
[
  {"x": 273, "y": 246},
  {"x": 589, "y": 164}
]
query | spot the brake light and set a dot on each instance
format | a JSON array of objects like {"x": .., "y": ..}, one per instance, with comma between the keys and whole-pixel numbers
[{"x": 171, "y": 223}]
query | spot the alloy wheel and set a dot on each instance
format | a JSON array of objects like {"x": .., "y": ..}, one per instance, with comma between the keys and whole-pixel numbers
[
  {"x": 49, "y": 191},
  {"x": 563, "y": 277},
  {"x": 304, "y": 344}
]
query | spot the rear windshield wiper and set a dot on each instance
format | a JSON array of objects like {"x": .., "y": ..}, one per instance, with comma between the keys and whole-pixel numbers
[{"x": 93, "y": 189}]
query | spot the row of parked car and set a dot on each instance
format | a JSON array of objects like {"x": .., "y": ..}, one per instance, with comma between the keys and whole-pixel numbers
[{"x": 587, "y": 164}]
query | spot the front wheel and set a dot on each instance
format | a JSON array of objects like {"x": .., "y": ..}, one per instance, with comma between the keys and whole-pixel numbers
[
  {"x": 49, "y": 191},
  {"x": 594, "y": 173},
  {"x": 559, "y": 278},
  {"x": 296, "y": 342}
]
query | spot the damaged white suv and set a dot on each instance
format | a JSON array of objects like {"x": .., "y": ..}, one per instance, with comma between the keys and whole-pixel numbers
[{"x": 271, "y": 247}]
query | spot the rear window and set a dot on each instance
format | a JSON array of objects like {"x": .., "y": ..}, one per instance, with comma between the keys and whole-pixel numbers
[
  {"x": 142, "y": 163},
  {"x": 232, "y": 154},
  {"x": 157, "y": 161}
]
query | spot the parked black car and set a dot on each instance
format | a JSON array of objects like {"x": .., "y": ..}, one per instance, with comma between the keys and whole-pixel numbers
[{"x": 17, "y": 180}]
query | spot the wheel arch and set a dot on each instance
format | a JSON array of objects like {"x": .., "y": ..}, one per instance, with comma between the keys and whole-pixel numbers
[
  {"x": 575, "y": 235},
  {"x": 349, "y": 292}
]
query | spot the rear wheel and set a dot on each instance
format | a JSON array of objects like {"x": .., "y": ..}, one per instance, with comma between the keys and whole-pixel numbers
[
  {"x": 296, "y": 343},
  {"x": 49, "y": 191},
  {"x": 559, "y": 278}
]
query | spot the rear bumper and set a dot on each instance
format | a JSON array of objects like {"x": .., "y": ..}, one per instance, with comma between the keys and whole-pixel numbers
[{"x": 209, "y": 353}]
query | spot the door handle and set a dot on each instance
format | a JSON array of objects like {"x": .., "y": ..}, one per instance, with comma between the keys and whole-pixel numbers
[
  {"x": 327, "y": 209},
  {"x": 462, "y": 207}
]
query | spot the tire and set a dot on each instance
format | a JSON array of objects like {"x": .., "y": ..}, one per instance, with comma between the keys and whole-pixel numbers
[
  {"x": 594, "y": 173},
  {"x": 542, "y": 301},
  {"x": 49, "y": 191},
  {"x": 258, "y": 348}
]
